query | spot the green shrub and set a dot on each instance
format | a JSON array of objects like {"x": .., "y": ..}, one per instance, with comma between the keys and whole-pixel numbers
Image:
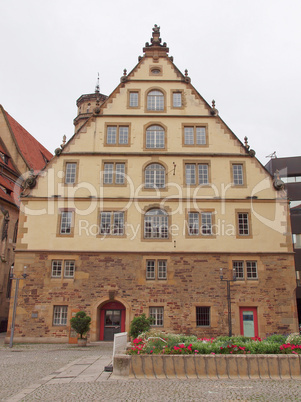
[
  {"x": 139, "y": 325},
  {"x": 80, "y": 323},
  {"x": 276, "y": 338}
]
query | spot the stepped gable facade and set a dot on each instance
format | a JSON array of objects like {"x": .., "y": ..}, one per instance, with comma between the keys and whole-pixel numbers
[{"x": 154, "y": 206}]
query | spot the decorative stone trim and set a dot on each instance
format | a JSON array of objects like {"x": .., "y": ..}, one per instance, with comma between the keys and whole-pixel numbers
[{"x": 208, "y": 366}]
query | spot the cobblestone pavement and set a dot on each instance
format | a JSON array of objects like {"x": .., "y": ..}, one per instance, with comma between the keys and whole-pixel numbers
[{"x": 68, "y": 373}]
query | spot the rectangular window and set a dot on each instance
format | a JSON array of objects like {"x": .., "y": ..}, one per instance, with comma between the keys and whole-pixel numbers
[
  {"x": 66, "y": 222},
  {"x": 206, "y": 218},
  {"x": 193, "y": 224},
  {"x": 150, "y": 269},
  {"x": 237, "y": 174},
  {"x": 134, "y": 99},
  {"x": 251, "y": 269},
  {"x": 70, "y": 175},
  {"x": 69, "y": 267},
  {"x": 56, "y": 269},
  {"x": 195, "y": 135},
  {"x": 238, "y": 268},
  {"x": 162, "y": 269},
  {"x": 177, "y": 99},
  {"x": 157, "y": 314},
  {"x": 112, "y": 223},
  {"x": 196, "y": 173},
  {"x": 114, "y": 173},
  {"x": 60, "y": 315},
  {"x": 203, "y": 316},
  {"x": 243, "y": 224},
  {"x": 117, "y": 135}
]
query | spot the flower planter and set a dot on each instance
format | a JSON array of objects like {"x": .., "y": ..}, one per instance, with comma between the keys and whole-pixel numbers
[{"x": 208, "y": 366}]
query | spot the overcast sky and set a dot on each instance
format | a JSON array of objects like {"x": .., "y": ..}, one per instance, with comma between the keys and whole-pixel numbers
[{"x": 245, "y": 54}]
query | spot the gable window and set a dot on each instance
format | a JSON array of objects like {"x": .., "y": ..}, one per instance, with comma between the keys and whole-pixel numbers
[
  {"x": 237, "y": 174},
  {"x": 155, "y": 176},
  {"x": 195, "y": 135},
  {"x": 203, "y": 316},
  {"x": 157, "y": 314},
  {"x": 206, "y": 227},
  {"x": 177, "y": 99},
  {"x": 114, "y": 173},
  {"x": 156, "y": 265},
  {"x": 155, "y": 100},
  {"x": 112, "y": 223},
  {"x": 60, "y": 315},
  {"x": 66, "y": 222},
  {"x": 156, "y": 224},
  {"x": 117, "y": 135},
  {"x": 193, "y": 224},
  {"x": 155, "y": 137},
  {"x": 70, "y": 174},
  {"x": 196, "y": 173},
  {"x": 134, "y": 99},
  {"x": 243, "y": 224}
]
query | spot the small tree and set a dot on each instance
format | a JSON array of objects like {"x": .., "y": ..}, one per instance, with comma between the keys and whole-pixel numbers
[
  {"x": 140, "y": 324},
  {"x": 80, "y": 323}
]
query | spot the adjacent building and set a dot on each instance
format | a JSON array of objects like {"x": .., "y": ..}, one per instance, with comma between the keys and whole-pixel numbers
[
  {"x": 20, "y": 153},
  {"x": 150, "y": 207},
  {"x": 289, "y": 171}
]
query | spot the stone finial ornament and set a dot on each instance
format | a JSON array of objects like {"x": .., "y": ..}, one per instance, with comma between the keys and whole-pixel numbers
[
  {"x": 97, "y": 85},
  {"x": 277, "y": 182},
  {"x": 247, "y": 146},
  {"x": 124, "y": 77},
  {"x": 155, "y": 49},
  {"x": 213, "y": 111}
]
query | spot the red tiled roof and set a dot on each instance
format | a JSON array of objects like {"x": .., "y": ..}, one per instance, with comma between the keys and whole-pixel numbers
[{"x": 30, "y": 148}]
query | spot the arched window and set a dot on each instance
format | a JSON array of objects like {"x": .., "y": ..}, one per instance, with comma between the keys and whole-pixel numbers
[
  {"x": 155, "y": 100},
  {"x": 154, "y": 176},
  {"x": 155, "y": 137},
  {"x": 156, "y": 224}
]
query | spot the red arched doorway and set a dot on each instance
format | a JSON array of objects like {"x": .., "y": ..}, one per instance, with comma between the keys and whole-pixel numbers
[{"x": 112, "y": 320}]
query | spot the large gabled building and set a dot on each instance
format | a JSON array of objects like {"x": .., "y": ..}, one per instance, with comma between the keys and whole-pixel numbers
[
  {"x": 149, "y": 208},
  {"x": 20, "y": 153}
]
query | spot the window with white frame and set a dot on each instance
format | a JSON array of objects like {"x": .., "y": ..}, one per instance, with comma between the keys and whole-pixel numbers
[
  {"x": 70, "y": 174},
  {"x": 114, "y": 173},
  {"x": 238, "y": 269},
  {"x": 117, "y": 135},
  {"x": 156, "y": 224},
  {"x": 56, "y": 268},
  {"x": 60, "y": 315},
  {"x": 112, "y": 223},
  {"x": 195, "y": 135},
  {"x": 243, "y": 224},
  {"x": 237, "y": 174},
  {"x": 134, "y": 99},
  {"x": 154, "y": 176},
  {"x": 206, "y": 223},
  {"x": 157, "y": 313},
  {"x": 196, "y": 173},
  {"x": 155, "y": 137},
  {"x": 155, "y": 100},
  {"x": 193, "y": 224},
  {"x": 177, "y": 99},
  {"x": 66, "y": 222},
  {"x": 153, "y": 266},
  {"x": 69, "y": 268},
  {"x": 203, "y": 316},
  {"x": 251, "y": 269},
  {"x": 245, "y": 269}
]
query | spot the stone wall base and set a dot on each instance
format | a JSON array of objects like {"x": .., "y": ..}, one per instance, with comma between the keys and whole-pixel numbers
[
  {"x": 208, "y": 366},
  {"x": 28, "y": 339}
]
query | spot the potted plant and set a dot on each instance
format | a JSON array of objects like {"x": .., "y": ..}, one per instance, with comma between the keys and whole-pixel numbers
[{"x": 81, "y": 325}]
